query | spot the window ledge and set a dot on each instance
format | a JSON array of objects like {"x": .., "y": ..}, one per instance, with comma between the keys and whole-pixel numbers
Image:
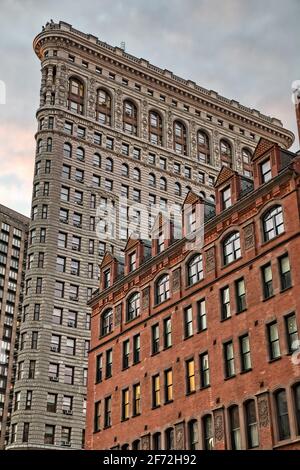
[
  {"x": 190, "y": 393},
  {"x": 205, "y": 387},
  {"x": 155, "y": 407},
  {"x": 201, "y": 331},
  {"x": 268, "y": 298},
  {"x": 286, "y": 288},
  {"x": 245, "y": 371},
  {"x": 241, "y": 311},
  {"x": 231, "y": 377},
  {"x": 168, "y": 402},
  {"x": 274, "y": 360},
  {"x": 225, "y": 319}
]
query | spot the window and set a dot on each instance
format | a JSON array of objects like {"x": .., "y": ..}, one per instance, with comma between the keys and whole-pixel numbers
[
  {"x": 265, "y": 171},
  {"x": 155, "y": 128},
  {"x": 226, "y": 198},
  {"x": 168, "y": 385},
  {"x": 240, "y": 295},
  {"x": 71, "y": 346},
  {"x": 28, "y": 401},
  {"x": 106, "y": 279},
  {"x": 193, "y": 435},
  {"x": 57, "y": 315},
  {"x": 235, "y": 431},
  {"x": 190, "y": 376},
  {"x": 17, "y": 401},
  {"x": 75, "y": 96},
  {"x": 169, "y": 439},
  {"x": 296, "y": 393},
  {"x": 180, "y": 138},
  {"x": 69, "y": 375},
  {"x": 251, "y": 424},
  {"x": 246, "y": 156},
  {"x": 61, "y": 264},
  {"x": 155, "y": 338},
  {"x": 49, "y": 145},
  {"x": 80, "y": 153},
  {"x": 229, "y": 360},
  {"x": 136, "y": 174},
  {"x": 133, "y": 306},
  {"x": 136, "y": 405},
  {"x": 226, "y": 153},
  {"x": 231, "y": 248},
  {"x": 126, "y": 353},
  {"x": 34, "y": 340},
  {"x": 68, "y": 128},
  {"x": 156, "y": 441},
  {"x": 130, "y": 117},
  {"x": 25, "y": 436},
  {"x": 160, "y": 242},
  {"x": 291, "y": 332},
  {"x": 103, "y": 107},
  {"x": 225, "y": 303},
  {"x": 49, "y": 435},
  {"x": 14, "y": 429},
  {"x": 167, "y": 332},
  {"x": 136, "y": 195},
  {"x": 188, "y": 322},
  {"x": 51, "y": 404},
  {"x": 97, "y": 416},
  {"x": 285, "y": 272},
  {"x": 132, "y": 261},
  {"x": 107, "y": 412},
  {"x": 125, "y": 404},
  {"x": 108, "y": 368},
  {"x": 273, "y": 223},
  {"x": 204, "y": 370},
  {"x": 31, "y": 370},
  {"x": 177, "y": 190},
  {"x": 155, "y": 391},
  {"x": 245, "y": 353},
  {"x": 195, "y": 270},
  {"x": 65, "y": 436},
  {"x": 267, "y": 279},
  {"x": 106, "y": 323},
  {"x": 136, "y": 349},
  {"x": 96, "y": 160},
  {"x": 203, "y": 149},
  {"x": 201, "y": 315},
  {"x": 208, "y": 434},
  {"x": 282, "y": 415},
  {"x": 273, "y": 337},
  {"x": 162, "y": 289}
]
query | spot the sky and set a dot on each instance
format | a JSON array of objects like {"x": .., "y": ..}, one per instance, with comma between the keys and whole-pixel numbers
[{"x": 247, "y": 50}]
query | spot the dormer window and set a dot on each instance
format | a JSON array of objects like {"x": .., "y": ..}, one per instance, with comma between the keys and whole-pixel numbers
[
  {"x": 132, "y": 261},
  {"x": 160, "y": 242},
  {"x": 231, "y": 248},
  {"x": 192, "y": 221},
  {"x": 106, "y": 279},
  {"x": 265, "y": 170},
  {"x": 106, "y": 322},
  {"x": 226, "y": 198}
]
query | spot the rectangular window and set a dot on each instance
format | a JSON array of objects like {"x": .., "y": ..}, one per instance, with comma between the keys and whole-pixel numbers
[
  {"x": 69, "y": 375},
  {"x": 201, "y": 315},
  {"x": 155, "y": 391},
  {"x": 97, "y": 416},
  {"x": 229, "y": 359},
  {"x": 107, "y": 412},
  {"x": 291, "y": 332},
  {"x": 99, "y": 368},
  {"x": 155, "y": 338},
  {"x": 136, "y": 406},
  {"x": 266, "y": 173},
  {"x": 51, "y": 404},
  {"x": 188, "y": 322},
  {"x": 25, "y": 436},
  {"x": 245, "y": 353},
  {"x": 240, "y": 295},
  {"x": 190, "y": 376},
  {"x": 225, "y": 303},
  {"x": 49, "y": 435},
  {"x": 167, "y": 332},
  {"x": 273, "y": 337},
  {"x": 285, "y": 272},
  {"x": 31, "y": 370},
  {"x": 132, "y": 261},
  {"x": 204, "y": 370},
  {"x": 226, "y": 198},
  {"x": 125, "y": 404},
  {"x": 136, "y": 349},
  {"x": 126, "y": 353},
  {"x": 28, "y": 401},
  {"x": 267, "y": 279},
  {"x": 108, "y": 369},
  {"x": 168, "y": 385}
]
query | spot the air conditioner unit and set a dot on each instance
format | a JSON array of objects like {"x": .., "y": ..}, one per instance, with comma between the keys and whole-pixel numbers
[
  {"x": 53, "y": 378},
  {"x": 73, "y": 297},
  {"x": 74, "y": 272},
  {"x": 65, "y": 443},
  {"x": 79, "y": 203},
  {"x": 64, "y": 221},
  {"x": 71, "y": 323},
  {"x": 54, "y": 348},
  {"x": 67, "y": 412},
  {"x": 75, "y": 248}
]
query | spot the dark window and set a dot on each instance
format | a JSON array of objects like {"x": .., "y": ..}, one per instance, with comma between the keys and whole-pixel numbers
[
  {"x": 285, "y": 272},
  {"x": 229, "y": 359},
  {"x": 155, "y": 338},
  {"x": 49, "y": 434},
  {"x": 156, "y": 441},
  {"x": 251, "y": 424},
  {"x": 296, "y": 391},
  {"x": 240, "y": 293},
  {"x": 245, "y": 353},
  {"x": 267, "y": 279},
  {"x": 126, "y": 353},
  {"x": 162, "y": 289},
  {"x": 108, "y": 369},
  {"x": 208, "y": 434},
  {"x": 133, "y": 306},
  {"x": 136, "y": 349},
  {"x": 292, "y": 332},
  {"x": 169, "y": 439},
  {"x": 188, "y": 322},
  {"x": 97, "y": 416},
  {"x": 235, "y": 431},
  {"x": 25, "y": 436},
  {"x": 204, "y": 370},
  {"x": 282, "y": 415},
  {"x": 99, "y": 367},
  {"x": 167, "y": 332},
  {"x": 225, "y": 303},
  {"x": 273, "y": 337},
  {"x": 107, "y": 412}
]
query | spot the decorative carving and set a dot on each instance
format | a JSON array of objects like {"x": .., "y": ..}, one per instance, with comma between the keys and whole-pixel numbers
[
  {"x": 119, "y": 108},
  {"x": 179, "y": 436},
  {"x": 219, "y": 427},
  {"x": 176, "y": 280},
  {"x": 118, "y": 315},
  {"x": 263, "y": 412},
  {"x": 146, "y": 442},
  {"x": 144, "y": 131},
  {"x": 169, "y": 130},
  {"x": 249, "y": 236},
  {"x": 210, "y": 260},
  {"x": 145, "y": 298}
]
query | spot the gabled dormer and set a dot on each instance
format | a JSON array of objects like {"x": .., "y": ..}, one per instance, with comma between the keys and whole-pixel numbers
[
  {"x": 266, "y": 161},
  {"x": 228, "y": 188},
  {"x": 109, "y": 271},
  {"x": 162, "y": 234},
  {"x": 134, "y": 254},
  {"x": 192, "y": 214}
]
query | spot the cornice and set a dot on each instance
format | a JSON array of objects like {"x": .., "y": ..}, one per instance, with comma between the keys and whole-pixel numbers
[{"x": 63, "y": 33}]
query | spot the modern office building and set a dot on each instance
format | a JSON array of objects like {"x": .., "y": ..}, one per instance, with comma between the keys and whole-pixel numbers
[
  {"x": 110, "y": 127},
  {"x": 197, "y": 347},
  {"x": 13, "y": 246}
]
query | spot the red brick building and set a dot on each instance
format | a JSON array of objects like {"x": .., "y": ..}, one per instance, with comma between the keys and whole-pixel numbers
[{"x": 198, "y": 349}]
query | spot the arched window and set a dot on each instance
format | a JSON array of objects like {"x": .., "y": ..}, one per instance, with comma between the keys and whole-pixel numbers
[
  {"x": 202, "y": 194},
  {"x": 136, "y": 445},
  {"x": 247, "y": 168},
  {"x": 125, "y": 170},
  {"x": 97, "y": 160},
  {"x": 67, "y": 150},
  {"x": 163, "y": 184},
  {"x": 136, "y": 174},
  {"x": 156, "y": 441},
  {"x": 235, "y": 431},
  {"x": 76, "y": 96},
  {"x": 133, "y": 306},
  {"x": 162, "y": 289},
  {"x": 125, "y": 447},
  {"x": 282, "y": 415},
  {"x": 251, "y": 424},
  {"x": 80, "y": 153},
  {"x": 155, "y": 128},
  {"x": 39, "y": 146},
  {"x": 193, "y": 435},
  {"x": 203, "y": 147},
  {"x": 296, "y": 391},
  {"x": 180, "y": 138},
  {"x": 212, "y": 198},
  {"x": 109, "y": 165},
  {"x": 195, "y": 270},
  {"x": 103, "y": 107},
  {"x": 49, "y": 144},
  {"x": 273, "y": 223},
  {"x": 178, "y": 189},
  {"x": 169, "y": 438},
  {"x": 130, "y": 117},
  {"x": 231, "y": 248},
  {"x": 152, "y": 180},
  {"x": 226, "y": 153},
  {"x": 208, "y": 435},
  {"x": 106, "y": 324}
]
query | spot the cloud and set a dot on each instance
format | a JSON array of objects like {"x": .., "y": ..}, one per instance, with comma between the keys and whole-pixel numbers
[{"x": 245, "y": 50}]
